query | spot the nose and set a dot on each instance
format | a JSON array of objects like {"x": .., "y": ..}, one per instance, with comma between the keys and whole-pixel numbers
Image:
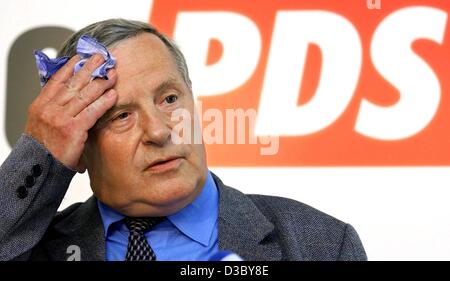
[{"x": 156, "y": 127}]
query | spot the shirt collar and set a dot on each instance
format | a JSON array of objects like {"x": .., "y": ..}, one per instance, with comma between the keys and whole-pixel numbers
[
  {"x": 108, "y": 215},
  {"x": 197, "y": 220}
]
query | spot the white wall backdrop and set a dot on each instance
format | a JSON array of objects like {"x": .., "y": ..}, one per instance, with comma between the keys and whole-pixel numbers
[{"x": 399, "y": 213}]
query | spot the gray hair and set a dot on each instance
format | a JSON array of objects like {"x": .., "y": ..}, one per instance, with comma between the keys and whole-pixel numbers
[{"x": 111, "y": 32}]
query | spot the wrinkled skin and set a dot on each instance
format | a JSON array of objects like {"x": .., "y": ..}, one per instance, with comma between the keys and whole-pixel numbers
[{"x": 137, "y": 131}]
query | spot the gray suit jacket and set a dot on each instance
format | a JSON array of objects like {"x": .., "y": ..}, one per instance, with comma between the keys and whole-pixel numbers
[{"x": 257, "y": 227}]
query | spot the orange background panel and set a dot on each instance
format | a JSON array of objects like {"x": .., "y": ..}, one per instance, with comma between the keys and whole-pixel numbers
[{"x": 338, "y": 144}]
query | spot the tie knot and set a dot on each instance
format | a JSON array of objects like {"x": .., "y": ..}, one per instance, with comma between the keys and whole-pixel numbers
[{"x": 141, "y": 225}]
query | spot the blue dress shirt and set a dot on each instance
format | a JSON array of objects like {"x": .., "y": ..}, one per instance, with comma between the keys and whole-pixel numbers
[{"x": 189, "y": 234}]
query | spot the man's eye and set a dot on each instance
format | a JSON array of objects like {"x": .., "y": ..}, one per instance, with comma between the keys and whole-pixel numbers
[
  {"x": 122, "y": 116},
  {"x": 171, "y": 99}
]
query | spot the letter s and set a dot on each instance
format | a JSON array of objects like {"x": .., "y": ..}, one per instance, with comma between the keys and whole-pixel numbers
[{"x": 418, "y": 85}]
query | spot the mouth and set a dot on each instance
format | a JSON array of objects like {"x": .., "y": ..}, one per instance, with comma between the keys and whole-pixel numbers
[{"x": 164, "y": 165}]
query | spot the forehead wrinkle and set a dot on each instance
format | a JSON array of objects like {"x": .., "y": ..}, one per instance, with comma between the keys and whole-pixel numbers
[{"x": 153, "y": 54}]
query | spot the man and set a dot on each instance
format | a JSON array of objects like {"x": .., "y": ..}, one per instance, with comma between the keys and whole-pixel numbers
[{"x": 153, "y": 199}]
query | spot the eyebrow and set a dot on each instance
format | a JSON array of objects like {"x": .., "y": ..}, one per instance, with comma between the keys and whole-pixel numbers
[
  {"x": 114, "y": 109},
  {"x": 170, "y": 83}
]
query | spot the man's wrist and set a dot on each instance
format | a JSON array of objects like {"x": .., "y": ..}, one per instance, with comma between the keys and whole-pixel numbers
[{"x": 59, "y": 164}]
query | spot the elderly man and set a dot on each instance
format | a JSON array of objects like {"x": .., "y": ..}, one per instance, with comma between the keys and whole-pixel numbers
[{"x": 153, "y": 199}]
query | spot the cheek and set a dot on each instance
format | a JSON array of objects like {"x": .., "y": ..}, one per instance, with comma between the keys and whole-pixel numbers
[
  {"x": 116, "y": 153},
  {"x": 197, "y": 150},
  {"x": 197, "y": 157}
]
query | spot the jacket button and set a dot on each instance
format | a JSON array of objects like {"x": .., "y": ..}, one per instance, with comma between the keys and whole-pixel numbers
[
  {"x": 22, "y": 192},
  {"x": 36, "y": 170},
  {"x": 30, "y": 181}
]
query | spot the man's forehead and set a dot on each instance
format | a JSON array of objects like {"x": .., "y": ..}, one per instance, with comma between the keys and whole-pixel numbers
[
  {"x": 144, "y": 45},
  {"x": 143, "y": 55},
  {"x": 143, "y": 59}
]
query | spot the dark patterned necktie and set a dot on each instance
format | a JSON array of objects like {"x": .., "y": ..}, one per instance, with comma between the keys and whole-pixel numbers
[{"x": 138, "y": 247}]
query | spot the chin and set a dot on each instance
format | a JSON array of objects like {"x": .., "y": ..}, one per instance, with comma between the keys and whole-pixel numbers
[
  {"x": 142, "y": 209},
  {"x": 167, "y": 201}
]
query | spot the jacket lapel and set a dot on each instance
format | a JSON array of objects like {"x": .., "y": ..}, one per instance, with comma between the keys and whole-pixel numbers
[{"x": 243, "y": 229}]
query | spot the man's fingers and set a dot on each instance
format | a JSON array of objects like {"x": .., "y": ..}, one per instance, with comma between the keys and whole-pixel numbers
[
  {"x": 80, "y": 100},
  {"x": 89, "y": 116},
  {"x": 59, "y": 79},
  {"x": 66, "y": 72},
  {"x": 83, "y": 77},
  {"x": 79, "y": 79}
]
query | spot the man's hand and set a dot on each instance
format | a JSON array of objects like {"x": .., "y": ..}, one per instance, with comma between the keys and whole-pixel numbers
[{"x": 67, "y": 107}]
